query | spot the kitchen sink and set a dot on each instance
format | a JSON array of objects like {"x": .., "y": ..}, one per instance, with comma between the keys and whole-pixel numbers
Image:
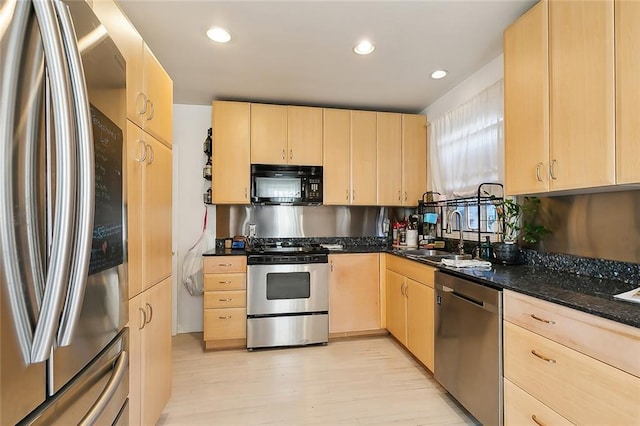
[{"x": 434, "y": 255}]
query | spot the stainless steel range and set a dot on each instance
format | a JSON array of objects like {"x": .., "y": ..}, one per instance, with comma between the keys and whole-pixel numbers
[{"x": 287, "y": 295}]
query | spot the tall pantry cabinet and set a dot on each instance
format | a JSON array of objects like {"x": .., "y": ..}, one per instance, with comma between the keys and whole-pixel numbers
[{"x": 148, "y": 188}]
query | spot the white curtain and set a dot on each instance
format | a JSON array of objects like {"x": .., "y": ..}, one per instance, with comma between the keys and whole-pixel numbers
[{"x": 467, "y": 144}]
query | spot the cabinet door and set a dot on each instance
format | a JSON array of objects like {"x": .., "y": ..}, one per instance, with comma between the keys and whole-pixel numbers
[
  {"x": 130, "y": 44},
  {"x": 526, "y": 102},
  {"x": 336, "y": 156},
  {"x": 363, "y": 158},
  {"x": 581, "y": 55},
  {"x": 156, "y": 344},
  {"x": 420, "y": 322},
  {"x": 304, "y": 135},
  {"x": 520, "y": 408},
  {"x": 135, "y": 143},
  {"x": 268, "y": 134},
  {"x": 354, "y": 292},
  {"x": 137, "y": 323},
  {"x": 231, "y": 152},
  {"x": 627, "y": 90},
  {"x": 389, "y": 159},
  {"x": 414, "y": 158},
  {"x": 159, "y": 90},
  {"x": 156, "y": 220},
  {"x": 396, "y": 305}
]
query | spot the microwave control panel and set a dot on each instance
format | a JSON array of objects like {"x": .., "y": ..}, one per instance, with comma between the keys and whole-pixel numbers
[{"x": 314, "y": 189}]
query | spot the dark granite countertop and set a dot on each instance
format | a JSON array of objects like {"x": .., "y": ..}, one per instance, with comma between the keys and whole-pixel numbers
[
  {"x": 584, "y": 293},
  {"x": 581, "y": 292},
  {"x": 225, "y": 252}
]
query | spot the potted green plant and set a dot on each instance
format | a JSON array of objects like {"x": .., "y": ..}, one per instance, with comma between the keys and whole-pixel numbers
[{"x": 514, "y": 223}]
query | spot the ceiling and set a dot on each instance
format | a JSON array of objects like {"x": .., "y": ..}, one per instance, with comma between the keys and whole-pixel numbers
[{"x": 300, "y": 52}]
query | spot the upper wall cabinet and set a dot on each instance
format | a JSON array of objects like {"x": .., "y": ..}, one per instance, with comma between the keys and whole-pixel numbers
[
  {"x": 627, "y": 16},
  {"x": 389, "y": 159},
  {"x": 363, "y": 158},
  {"x": 336, "y": 156},
  {"x": 414, "y": 158},
  {"x": 231, "y": 157},
  {"x": 149, "y": 87},
  {"x": 286, "y": 135},
  {"x": 559, "y": 112},
  {"x": 402, "y": 158}
]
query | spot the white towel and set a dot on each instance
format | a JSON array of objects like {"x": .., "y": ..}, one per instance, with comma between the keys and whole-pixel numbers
[
  {"x": 332, "y": 246},
  {"x": 471, "y": 263}
]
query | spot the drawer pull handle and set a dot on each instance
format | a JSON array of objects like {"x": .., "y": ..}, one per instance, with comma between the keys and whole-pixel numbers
[
  {"x": 542, "y": 319},
  {"x": 224, "y": 282},
  {"x": 536, "y": 421},
  {"x": 225, "y": 300},
  {"x": 552, "y": 361},
  {"x": 223, "y": 318},
  {"x": 224, "y": 264}
]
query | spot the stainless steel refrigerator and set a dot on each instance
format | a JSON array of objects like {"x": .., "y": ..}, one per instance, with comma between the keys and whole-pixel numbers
[{"x": 63, "y": 269}]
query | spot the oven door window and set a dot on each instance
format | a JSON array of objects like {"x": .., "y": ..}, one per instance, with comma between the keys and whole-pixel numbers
[{"x": 288, "y": 285}]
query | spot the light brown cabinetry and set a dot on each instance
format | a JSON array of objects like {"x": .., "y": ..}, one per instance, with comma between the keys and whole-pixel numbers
[
  {"x": 149, "y": 87},
  {"x": 627, "y": 44},
  {"x": 414, "y": 158},
  {"x": 402, "y": 159},
  {"x": 225, "y": 301},
  {"x": 231, "y": 177},
  {"x": 149, "y": 181},
  {"x": 584, "y": 368},
  {"x": 354, "y": 294},
  {"x": 559, "y": 98},
  {"x": 150, "y": 349},
  {"x": 336, "y": 161},
  {"x": 410, "y": 310},
  {"x": 363, "y": 158},
  {"x": 389, "y": 159},
  {"x": 286, "y": 135}
]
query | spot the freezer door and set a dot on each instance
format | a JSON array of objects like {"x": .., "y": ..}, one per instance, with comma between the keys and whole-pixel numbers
[
  {"x": 97, "y": 396},
  {"x": 104, "y": 308}
]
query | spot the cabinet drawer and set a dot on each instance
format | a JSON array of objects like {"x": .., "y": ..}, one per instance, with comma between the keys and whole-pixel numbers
[
  {"x": 225, "y": 299},
  {"x": 578, "y": 387},
  {"x": 416, "y": 271},
  {"x": 608, "y": 341},
  {"x": 229, "y": 323},
  {"x": 520, "y": 408},
  {"x": 224, "y": 264},
  {"x": 225, "y": 282}
]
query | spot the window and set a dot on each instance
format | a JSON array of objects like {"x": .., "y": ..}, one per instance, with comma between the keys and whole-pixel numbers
[{"x": 467, "y": 144}]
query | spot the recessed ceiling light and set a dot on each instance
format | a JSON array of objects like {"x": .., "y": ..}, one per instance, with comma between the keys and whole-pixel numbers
[
  {"x": 438, "y": 74},
  {"x": 219, "y": 35},
  {"x": 364, "y": 47}
]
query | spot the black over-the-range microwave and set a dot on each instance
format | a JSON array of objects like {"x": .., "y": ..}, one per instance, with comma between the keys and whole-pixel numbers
[{"x": 286, "y": 185}]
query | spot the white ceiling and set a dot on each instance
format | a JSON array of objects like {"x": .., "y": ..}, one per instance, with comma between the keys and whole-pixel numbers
[{"x": 300, "y": 52}]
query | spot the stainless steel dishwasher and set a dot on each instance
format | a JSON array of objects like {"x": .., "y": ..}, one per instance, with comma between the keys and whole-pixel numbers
[{"x": 468, "y": 345}]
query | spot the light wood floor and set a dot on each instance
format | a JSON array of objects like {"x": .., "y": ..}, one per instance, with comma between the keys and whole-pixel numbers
[{"x": 348, "y": 382}]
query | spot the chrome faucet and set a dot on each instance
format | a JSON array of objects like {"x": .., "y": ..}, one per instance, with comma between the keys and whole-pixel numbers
[{"x": 461, "y": 242}]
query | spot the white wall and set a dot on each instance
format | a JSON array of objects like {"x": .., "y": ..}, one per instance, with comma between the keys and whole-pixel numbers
[
  {"x": 190, "y": 124},
  {"x": 474, "y": 84}
]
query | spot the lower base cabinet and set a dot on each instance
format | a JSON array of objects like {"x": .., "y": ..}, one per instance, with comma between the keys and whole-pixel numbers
[
  {"x": 150, "y": 353},
  {"x": 410, "y": 306},
  {"x": 354, "y": 293},
  {"x": 225, "y": 302}
]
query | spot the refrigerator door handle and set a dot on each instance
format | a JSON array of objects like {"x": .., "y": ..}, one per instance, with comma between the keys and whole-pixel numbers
[
  {"x": 114, "y": 382},
  {"x": 86, "y": 187},
  {"x": 65, "y": 175},
  {"x": 15, "y": 38}
]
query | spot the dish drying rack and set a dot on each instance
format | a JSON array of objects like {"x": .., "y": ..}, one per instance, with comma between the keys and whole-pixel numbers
[{"x": 478, "y": 211}]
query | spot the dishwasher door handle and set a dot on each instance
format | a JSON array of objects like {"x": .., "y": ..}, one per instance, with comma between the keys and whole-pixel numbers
[{"x": 468, "y": 299}]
